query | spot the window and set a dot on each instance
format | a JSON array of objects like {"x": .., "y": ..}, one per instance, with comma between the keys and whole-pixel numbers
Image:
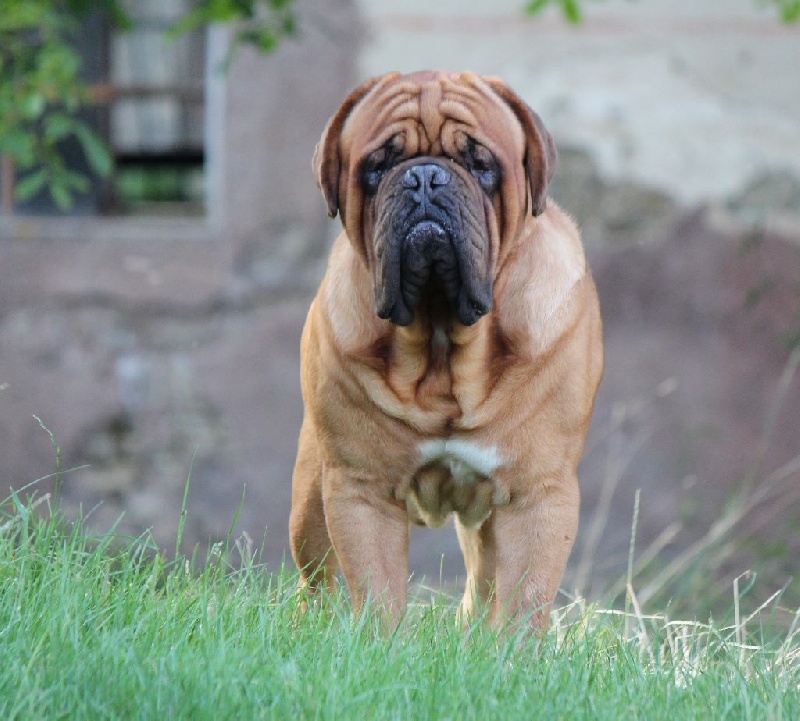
[
  {"x": 156, "y": 125},
  {"x": 149, "y": 106}
]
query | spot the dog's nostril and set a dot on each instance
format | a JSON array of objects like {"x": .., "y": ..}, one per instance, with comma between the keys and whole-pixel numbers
[
  {"x": 439, "y": 177},
  {"x": 426, "y": 177},
  {"x": 411, "y": 179}
]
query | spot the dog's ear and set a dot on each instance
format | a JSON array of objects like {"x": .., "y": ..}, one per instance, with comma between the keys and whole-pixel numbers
[
  {"x": 326, "y": 163},
  {"x": 540, "y": 151}
]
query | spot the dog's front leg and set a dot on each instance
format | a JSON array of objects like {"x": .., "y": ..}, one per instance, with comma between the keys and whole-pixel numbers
[
  {"x": 516, "y": 560},
  {"x": 369, "y": 532},
  {"x": 531, "y": 545}
]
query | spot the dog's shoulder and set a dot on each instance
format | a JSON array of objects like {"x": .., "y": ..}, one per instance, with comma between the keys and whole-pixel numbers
[{"x": 544, "y": 285}]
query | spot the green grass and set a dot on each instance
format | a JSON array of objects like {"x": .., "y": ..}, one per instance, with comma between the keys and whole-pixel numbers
[{"x": 97, "y": 628}]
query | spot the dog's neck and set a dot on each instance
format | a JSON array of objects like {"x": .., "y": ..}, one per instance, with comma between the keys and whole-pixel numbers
[{"x": 437, "y": 364}]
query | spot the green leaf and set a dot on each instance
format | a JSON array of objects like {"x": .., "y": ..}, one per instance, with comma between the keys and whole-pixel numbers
[
  {"x": 31, "y": 184},
  {"x": 74, "y": 180},
  {"x": 33, "y": 105},
  {"x": 59, "y": 63},
  {"x": 57, "y": 126},
  {"x": 22, "y": 17},
  {"x": 572, "y": 11},
  {"x": 187, "y": 23},
  {"x": 790, "y": 10},
  {"x": 21, "y": 145},
  {"x": 116, "y": 13},
  {"x": 208, "y": 12},
  {"x": 289, "y": 26},
  {"x": 60, "y": 195},
  {"x": 265, "y": 40},
  {"x": 536, "y": 6},
  {"x": 94, "y": 149}
]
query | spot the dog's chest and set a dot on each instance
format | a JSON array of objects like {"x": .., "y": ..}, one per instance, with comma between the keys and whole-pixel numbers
[
  {"x": 434, "y": 387},
  {"x": 454, "y": 476},
  {"x": 418, "y": 378}
]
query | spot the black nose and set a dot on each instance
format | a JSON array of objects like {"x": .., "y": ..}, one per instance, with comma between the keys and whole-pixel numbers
[{"x": 425, "y": 177}]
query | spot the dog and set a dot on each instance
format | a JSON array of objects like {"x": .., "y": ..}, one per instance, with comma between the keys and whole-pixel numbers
[{"x": 451, "y": 356}]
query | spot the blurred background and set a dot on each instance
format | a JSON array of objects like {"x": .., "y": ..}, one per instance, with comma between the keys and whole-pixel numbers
[{"x": 152, "y": 325}]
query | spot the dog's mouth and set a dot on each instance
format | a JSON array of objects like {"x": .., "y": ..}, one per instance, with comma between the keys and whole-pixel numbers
[
  {"x": 431, "y": 247},
  {"x": 429, "y": 263}
]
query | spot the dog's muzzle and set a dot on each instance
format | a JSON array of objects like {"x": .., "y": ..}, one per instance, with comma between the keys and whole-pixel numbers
[{"x": 432, "y": 233}]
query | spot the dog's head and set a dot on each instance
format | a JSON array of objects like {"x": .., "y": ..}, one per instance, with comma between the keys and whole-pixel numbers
[{"x": 433, "y": 173}]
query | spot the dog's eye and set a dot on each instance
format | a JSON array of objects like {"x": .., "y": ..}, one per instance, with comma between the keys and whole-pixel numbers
[
  {"x": 372, "y": 169},
  {"x": 485, "y": 173},
  {"x": 377, "y": 163},
  {"x": 482, "y": 165},
  {"x": 372, "y": 179}
]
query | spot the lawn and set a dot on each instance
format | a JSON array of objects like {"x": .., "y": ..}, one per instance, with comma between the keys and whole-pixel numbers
[{"x": 106, "y": 627}]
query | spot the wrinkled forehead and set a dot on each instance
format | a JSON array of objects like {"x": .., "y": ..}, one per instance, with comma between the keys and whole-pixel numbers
[{"x": 428, "y": 109}]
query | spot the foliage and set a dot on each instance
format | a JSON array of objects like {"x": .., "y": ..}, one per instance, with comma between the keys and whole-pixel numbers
[
  {"x": 105, "y": 627},
  {"x": 260, "y": 23},
  {"x": 789, "y": 10},
  {"x": 572, "y": 10},
  {"x": 41, "y": 94}
]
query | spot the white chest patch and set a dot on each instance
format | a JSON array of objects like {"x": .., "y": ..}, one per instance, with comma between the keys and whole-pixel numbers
[
  {"x": 467, "y": 461},
  {"x": 454, "y": 476}
]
